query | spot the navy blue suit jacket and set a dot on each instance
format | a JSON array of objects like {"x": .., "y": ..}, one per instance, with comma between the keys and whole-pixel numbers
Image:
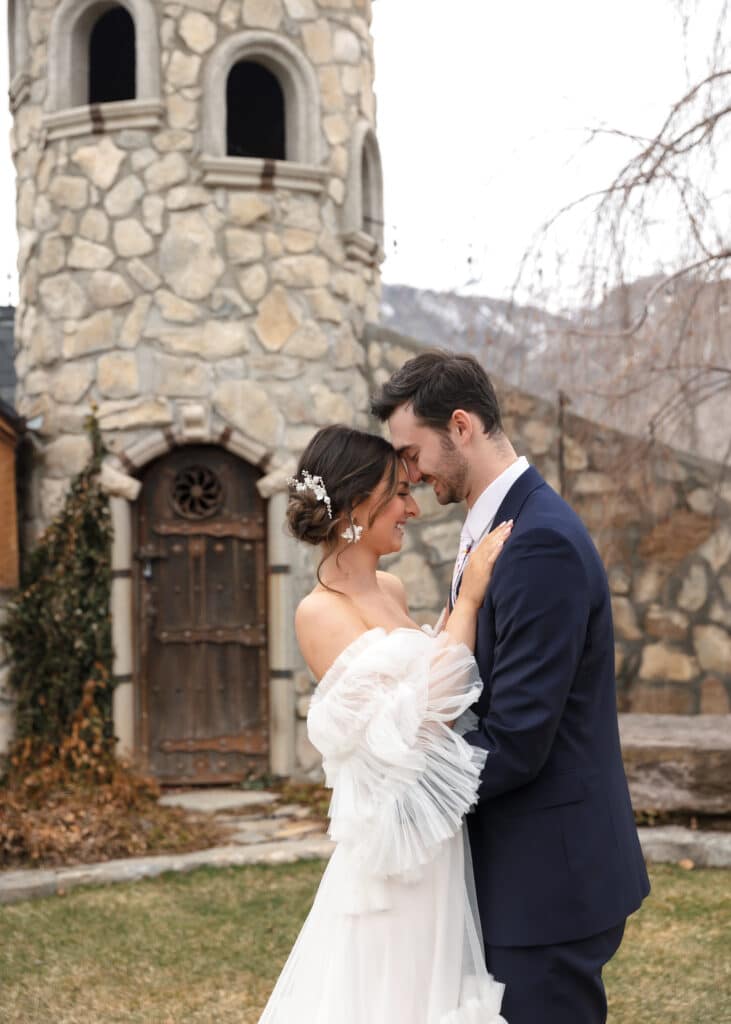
[{"x": 554, "y": 845}]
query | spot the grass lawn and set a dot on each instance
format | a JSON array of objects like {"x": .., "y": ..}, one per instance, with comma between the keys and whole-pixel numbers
[{"x": 205, "y": 948}]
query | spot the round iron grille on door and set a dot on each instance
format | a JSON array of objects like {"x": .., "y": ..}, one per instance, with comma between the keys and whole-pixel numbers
[{"x": 197, "y": 492}]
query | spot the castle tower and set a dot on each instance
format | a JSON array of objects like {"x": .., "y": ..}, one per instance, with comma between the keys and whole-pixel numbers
[{"x": 199, "y": 211}]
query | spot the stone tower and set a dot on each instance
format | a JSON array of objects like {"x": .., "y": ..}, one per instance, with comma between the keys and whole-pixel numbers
[{"x": 200, "y": 212}]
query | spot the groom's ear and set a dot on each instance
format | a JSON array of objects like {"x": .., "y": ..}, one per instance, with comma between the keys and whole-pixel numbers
[{"x": 462, "y": 425}]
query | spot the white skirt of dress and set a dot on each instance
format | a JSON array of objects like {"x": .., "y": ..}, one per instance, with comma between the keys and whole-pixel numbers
[{"x": 390, "y": 951}]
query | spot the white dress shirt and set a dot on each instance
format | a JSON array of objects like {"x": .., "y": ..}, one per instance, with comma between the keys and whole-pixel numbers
[{"x": 481, "y": 516}]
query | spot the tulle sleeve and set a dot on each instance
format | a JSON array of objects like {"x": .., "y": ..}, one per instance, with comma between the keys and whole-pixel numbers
[{"x": 402, "y": 779}]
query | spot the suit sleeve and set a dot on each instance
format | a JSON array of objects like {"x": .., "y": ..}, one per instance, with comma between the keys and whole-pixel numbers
[{"x": 541, "y": 605}]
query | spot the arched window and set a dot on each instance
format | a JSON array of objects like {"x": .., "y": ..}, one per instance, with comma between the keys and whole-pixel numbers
[
  {"x": 103, "y": 67},
  {"x": 255, "y": 112},
  {"x": 363, "y": 212},
  {"x": 261, "y": 123},
  {"x": 112, "y": 60}
]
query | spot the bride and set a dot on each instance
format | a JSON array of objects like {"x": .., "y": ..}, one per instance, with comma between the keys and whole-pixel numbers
[{"x": 393, "y": 935}]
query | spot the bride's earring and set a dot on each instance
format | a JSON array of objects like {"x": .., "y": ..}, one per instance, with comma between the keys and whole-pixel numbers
[{"x": 353, "y": 533}]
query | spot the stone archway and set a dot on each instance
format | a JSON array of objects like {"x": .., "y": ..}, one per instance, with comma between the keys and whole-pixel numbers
[{"x": 119, "y": 476}]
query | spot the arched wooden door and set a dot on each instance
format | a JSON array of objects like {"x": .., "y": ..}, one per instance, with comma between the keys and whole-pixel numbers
[{"x": 201, "y": 616}]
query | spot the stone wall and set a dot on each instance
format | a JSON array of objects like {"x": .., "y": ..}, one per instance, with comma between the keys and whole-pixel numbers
[{"x": 661, "y": 520}]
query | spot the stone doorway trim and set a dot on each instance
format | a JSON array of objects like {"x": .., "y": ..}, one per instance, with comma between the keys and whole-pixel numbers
[{"x": 123, "y": 489}]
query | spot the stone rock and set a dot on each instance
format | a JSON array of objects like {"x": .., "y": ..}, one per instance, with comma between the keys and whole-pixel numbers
[
  {"x": 152, "y": 412},
  {"x": 666, "y": 624},
  {"x": 713, "y": 648},
  {"x": 248, "y": 407},
  {"x": 95, "y": 334},
  {"x": 245, "y": 208},
  {"x": 346, "y": 47},
  {"x": 649, "y": 583},
  {"x": 574, "y": 455},
  {"x": 182, "y": 113},
  {"x": 118, "y": 484},
  {"x": 197, "y": 31},
  {"x": 169, "y": 171},
  {"x": 243, "y": 246},
  {"x": 262, "y": 13},
  {"x": 71, "y": 382},
  {"x": 661, "y": 698},
  {"x": 173, "y": 139},
  {"x": 222, "y": 339},
  {"x": 184, "y": 197},
  {"x": 35, "y": 382},
  {"x": 301, "y": 10},
  {"x": 86, "y": 255},
  {"x": 694, "y": 591},
  {"x": 336, "y": 191},
  {"x": 717, "y": 549},
  {"x": 276, "y": 321},
  {"x": 134, "y": 324},
  {"x": 69, "y": 192},
  {"x": 153, "y": 212},
  {"x": 176, "y": 309},
  {"x": 594, "y": 483},
  {"x": 253, "y": 282},
  {"x": 106, "y": 289},
  {"x": 124, "y": 196},
  {"x": 324, "y": 306},
  {"x": 330, "y": 406},
  {"x": 142, "y": 158},
  {"x": 183, "y": 378},
  {"x": 702, "y": 501},
  {"x": 94, "y": 226},
  {"x": 619, "y": 581},
  {"x": 660, "y": 661},
  {"x": 131, "y": 239},
  {"x": 331, "y": 90},
  {"x": 117, "y": 375},
  {"x": 183, "y": 69},
  {"x": 539, "y": 436},
  {"x": 318, "y": 41},
  {"x": 418, "y": 579},
  {"x": 308, "y": 342},
  {"x": 302, "y": 271},
  {"x": 188, "y": 258},
  {"x": 100, "y": 162},
  {"x": 443, "y": 538},
  {"x": 336, "y": 129},
  {"x": 51, "y": 255},
  {"x": 143, "y": 275},
  {"x": 67, "y": 456},
  {"x": 62, "y": 297},
  {"x": 298, "y": 241},
  {"x": 714, "y": 697},
  {"x": 678, "y": 762},
  {"x": 625, "y": 620}
]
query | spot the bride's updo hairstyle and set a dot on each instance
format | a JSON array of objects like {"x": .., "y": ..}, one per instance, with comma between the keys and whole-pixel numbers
[{"x": 351, "y": 464}]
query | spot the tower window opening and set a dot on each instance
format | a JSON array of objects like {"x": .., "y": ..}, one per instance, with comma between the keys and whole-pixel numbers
[
  {"x": 255, "y": 112},
  {"x": 112, "y": 59}
]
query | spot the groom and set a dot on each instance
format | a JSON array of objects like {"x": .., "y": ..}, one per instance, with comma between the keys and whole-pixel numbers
[{"x": 557, "y": 861}]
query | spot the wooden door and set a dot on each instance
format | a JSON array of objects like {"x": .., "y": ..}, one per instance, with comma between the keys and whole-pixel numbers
[{"x": 201, "y": 588}]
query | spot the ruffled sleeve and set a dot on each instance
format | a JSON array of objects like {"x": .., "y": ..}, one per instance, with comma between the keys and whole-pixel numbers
[{"x": 402, "y": 779}]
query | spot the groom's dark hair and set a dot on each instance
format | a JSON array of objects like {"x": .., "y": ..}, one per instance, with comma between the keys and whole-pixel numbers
[{"x": 435, "y": 383}]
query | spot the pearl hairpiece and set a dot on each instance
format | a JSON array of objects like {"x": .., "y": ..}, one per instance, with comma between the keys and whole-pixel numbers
[{"x": 314, "y": 484}]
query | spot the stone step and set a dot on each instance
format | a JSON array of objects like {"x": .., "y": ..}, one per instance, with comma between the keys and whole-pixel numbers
[{"x": 678, "y": 762}]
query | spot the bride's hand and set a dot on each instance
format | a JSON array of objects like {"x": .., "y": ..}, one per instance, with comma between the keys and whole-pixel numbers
[{"x": 481, "y": 563}]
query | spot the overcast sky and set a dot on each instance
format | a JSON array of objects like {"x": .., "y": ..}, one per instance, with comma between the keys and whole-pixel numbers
[{"x": 483, "y": 107}]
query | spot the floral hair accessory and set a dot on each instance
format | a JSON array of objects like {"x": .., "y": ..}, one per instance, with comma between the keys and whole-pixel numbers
[
  {"x": 352, "y": 534},
  {"x": 314, "y": 484}
]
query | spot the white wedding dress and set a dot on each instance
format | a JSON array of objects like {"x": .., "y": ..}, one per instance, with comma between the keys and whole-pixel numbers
[{"x": 393, "y": 935}]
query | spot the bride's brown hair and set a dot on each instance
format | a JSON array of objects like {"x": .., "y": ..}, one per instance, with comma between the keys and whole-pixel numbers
[{"x": 351, "y": 463}]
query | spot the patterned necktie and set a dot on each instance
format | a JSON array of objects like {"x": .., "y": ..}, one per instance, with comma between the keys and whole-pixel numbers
[{"x": 458, "y": 570}]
